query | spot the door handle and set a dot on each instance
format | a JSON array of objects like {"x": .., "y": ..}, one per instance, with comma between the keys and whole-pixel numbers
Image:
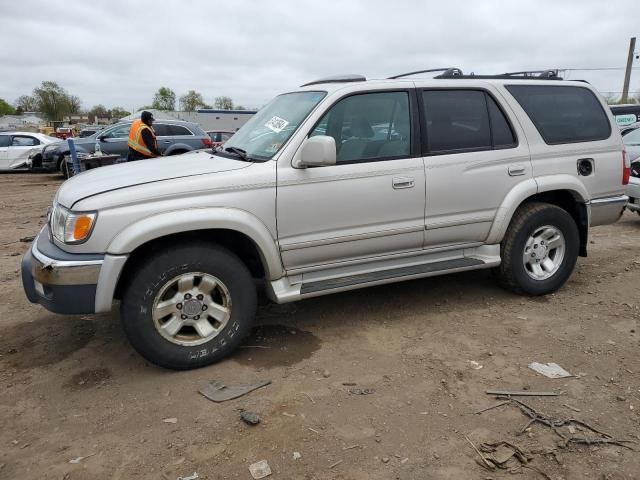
[
  {"x": 166, "y": 141},
  {"x": 516, "y": 170},
  {"x": 403, "y": 182}
]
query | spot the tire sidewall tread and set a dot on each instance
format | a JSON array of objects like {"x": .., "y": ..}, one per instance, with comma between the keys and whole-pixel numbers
[
  {"x": 152, "y": 275},
  {"x": 527, "y": 218}
]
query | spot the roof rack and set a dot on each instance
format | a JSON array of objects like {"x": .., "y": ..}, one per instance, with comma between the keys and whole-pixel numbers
[
  {"x": 446, "y": 71},
  {"x": 524, "y": 75},
  {"x": 338, "y": 79}
]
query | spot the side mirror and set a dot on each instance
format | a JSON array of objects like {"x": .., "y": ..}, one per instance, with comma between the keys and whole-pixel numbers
[
  {"x": 101, "y": 138},
  {"x": 319, "y": 151}
]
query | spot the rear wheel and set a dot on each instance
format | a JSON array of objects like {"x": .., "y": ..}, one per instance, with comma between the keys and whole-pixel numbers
[
  {"x": 539, "y": 250},
  {"x": 189, "y": 306}
]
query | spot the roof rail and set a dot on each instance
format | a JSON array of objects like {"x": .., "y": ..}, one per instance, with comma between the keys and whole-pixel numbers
[
  {"x": 338, "y": 79},
  {"x": 449, "y": 70},
  {"x": 524, "y": 75}
]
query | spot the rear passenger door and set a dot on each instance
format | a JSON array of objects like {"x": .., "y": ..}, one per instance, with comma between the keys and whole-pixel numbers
[{"x": 474, "y": 155}]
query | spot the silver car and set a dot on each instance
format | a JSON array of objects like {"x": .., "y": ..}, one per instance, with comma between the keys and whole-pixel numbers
[{"x": 341, "y": 184}]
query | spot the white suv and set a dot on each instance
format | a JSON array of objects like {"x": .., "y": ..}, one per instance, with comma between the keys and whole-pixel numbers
[{"x": 341, "y": 184}]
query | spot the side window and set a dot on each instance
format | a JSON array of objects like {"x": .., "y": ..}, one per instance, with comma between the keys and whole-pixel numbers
[
  {"x": 24, "y": 141},
  {"x": 224, "y": 136},
  {"x": 500, "y": 129},
  {"x": 563, "y": 114},
  {"x": 370, "y": 126},
  {"x": 457, "y": 120},
  {"x": 174, "y": 130},
  {"x": 5, "y": 140},
  {"x": 118, "y": 132},
  {"x": 160, "y": 129}
]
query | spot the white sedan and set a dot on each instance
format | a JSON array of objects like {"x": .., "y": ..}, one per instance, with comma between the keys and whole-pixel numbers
[{"x": 17, "y": 147}]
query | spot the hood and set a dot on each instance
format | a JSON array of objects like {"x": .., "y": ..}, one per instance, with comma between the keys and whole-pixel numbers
[{"x": 123, "y": 175}]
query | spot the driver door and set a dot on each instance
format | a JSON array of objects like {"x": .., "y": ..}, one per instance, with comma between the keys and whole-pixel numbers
[{"x": 371, "y": 203}]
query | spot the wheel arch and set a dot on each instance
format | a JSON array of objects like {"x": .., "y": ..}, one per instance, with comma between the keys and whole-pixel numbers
[
  {"x": 178, "y": 148},
  {"x": 564, "y": 191}
]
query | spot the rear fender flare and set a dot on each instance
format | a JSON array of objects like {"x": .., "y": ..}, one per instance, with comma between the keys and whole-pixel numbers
[{"x": 518, "y": 194}]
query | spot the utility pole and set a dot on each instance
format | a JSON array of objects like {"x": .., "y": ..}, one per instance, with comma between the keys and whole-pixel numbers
[{"x": 627, "y": 73}]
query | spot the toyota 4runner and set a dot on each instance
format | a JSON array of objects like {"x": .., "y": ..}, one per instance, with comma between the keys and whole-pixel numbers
[{"x": 341, "y": 184}]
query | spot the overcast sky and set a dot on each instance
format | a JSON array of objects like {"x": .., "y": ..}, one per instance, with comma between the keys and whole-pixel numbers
[{"x": 119, "y": 52}]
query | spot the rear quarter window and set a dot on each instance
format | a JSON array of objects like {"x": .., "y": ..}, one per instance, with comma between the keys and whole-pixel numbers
[{"x": 563, "y": 114}]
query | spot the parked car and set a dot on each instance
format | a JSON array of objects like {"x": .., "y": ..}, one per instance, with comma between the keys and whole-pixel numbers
[
  {"x": 219, "y": 137},
  {"x": 626, "y": 114},
  {"x": 16, "y": 148},
  {"x": 64, "y": 132},
  {"x": 631, "y": 140},
  {"x": 459, "y": 173},
  {"x": 174, "y": 137},
  {"x": 88, "y": 131}
]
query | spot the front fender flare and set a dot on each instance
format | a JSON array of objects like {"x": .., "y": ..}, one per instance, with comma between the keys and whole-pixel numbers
[{"x": 168, "y": 223}]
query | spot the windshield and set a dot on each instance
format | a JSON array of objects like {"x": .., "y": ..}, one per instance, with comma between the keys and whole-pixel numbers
[
  {"x": 632, "y": 138},
  {"x": 270, "y": 128}
]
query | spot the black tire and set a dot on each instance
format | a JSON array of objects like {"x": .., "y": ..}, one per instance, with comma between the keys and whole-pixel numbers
[
  {"x": 527, "y": 219},
  {"x": 176, "y": 152},
  {"x": 158, "y": 270}
]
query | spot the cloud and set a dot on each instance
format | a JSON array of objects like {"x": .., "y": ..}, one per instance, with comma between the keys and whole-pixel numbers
[{"x": 120, "y": 52}]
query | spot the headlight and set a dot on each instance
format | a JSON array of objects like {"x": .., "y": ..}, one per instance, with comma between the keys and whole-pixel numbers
[{"x": 71, "y": 227}]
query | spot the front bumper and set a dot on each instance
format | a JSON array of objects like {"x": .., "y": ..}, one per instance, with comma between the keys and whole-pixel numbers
[
  {"x": 60, "y": 282},
  {"x": 633, "y": 191}
]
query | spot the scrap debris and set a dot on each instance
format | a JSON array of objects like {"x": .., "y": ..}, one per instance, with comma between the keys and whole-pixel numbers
[
  {"x": 525, "y": 393},
  {"x": 556, "y": 424},
  {"x": 550, "y": 370},
  {"x": 219, "y": 392},
  {"x": 250, "y": 418},
  {"x": 361, "y": 391},
  {"x": 260, "y": 469}
]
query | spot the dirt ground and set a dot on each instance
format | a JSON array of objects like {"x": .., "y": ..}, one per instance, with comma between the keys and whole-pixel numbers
[{"x": 381, "y": 383}]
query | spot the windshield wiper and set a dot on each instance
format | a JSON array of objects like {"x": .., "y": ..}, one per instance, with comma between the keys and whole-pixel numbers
[{"x": 239, "y": 152}]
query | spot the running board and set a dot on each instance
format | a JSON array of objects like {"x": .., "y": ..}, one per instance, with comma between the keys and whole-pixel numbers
[
  {"x": 334, "y": 279},
  {"x": 385, "y": 275}
]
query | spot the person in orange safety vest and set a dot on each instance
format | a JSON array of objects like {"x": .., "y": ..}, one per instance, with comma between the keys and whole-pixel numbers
[{"x": 142, "y": 138}]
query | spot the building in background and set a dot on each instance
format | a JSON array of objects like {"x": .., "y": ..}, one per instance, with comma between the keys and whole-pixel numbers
[{"x": 208, "y": 119}]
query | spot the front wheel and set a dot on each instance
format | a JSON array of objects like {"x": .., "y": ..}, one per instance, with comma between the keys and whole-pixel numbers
[
  {"x": 188, "y": 306},
  {"x": 539, "y": 250}
]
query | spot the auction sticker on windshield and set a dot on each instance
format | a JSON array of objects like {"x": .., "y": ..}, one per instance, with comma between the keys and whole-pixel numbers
[{"x": 276, "y": 124}]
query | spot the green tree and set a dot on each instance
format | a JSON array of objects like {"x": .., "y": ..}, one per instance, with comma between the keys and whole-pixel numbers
[
  {"x": 6, "y": 108},
  {"x": 117, "y": 113},
  {"x": 27, "y": 103},
  {"x": 240, "y": 107},
  {"x": 54, "y": 102},
  {"x": 99, "y": 111},
  {"x": 164, "y": 99},
  {"x": 223, "y": 103},
  {"x": 191, "y": 100}
]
